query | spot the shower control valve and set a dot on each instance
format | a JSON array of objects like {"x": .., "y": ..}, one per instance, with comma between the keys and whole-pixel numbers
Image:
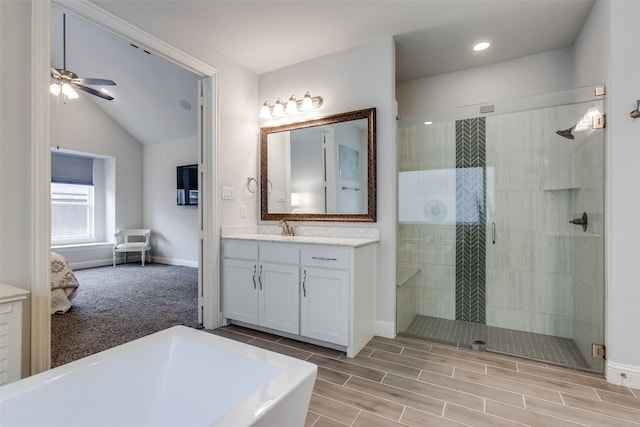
[{"x": 581, "y": 221}]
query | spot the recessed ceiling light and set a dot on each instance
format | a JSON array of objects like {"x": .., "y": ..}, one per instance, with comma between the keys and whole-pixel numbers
[
  {"x": 481, "y": 46},
  {"x": 428, "y": 123}
]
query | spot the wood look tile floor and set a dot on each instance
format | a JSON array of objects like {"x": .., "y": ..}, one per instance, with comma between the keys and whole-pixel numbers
[{"x": 411, "y": 382}]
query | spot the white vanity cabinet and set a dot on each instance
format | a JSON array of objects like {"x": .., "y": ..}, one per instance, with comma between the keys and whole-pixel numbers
[
  {"x": 315, "y": 292},
  {"x": 260, "y": 285}
]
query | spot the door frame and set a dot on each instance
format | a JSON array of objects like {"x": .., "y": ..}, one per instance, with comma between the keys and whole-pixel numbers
[{"x": 41, "y": 165}]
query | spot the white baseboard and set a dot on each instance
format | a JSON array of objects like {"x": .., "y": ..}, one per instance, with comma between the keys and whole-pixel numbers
[
  {"x": 171, "y": 261},
  {"x": 624, "y": 375},
  {"x": 385, "y": 329},
  {"x": 79, "y": 265}
]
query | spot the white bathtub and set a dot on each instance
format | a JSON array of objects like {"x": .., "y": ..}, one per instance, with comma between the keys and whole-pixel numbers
[{"x": 176, "y": 377}]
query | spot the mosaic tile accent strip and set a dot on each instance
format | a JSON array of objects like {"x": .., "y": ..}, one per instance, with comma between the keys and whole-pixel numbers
[
  {"x": 471, "y": 220},
  {"x": 544, "y": 348}
]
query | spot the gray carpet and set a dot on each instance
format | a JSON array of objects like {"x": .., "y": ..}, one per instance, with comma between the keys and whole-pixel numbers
[{"x": 117, "y": 305}]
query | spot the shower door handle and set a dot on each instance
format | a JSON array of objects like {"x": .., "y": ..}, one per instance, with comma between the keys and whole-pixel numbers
[{"x": 493, "y": 233}]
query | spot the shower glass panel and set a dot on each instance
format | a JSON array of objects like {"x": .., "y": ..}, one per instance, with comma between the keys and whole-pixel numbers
[{"x": 486, "y": 250}]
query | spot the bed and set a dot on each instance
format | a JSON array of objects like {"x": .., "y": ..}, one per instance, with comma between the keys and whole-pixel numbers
[{"x": 64, "y": 284}]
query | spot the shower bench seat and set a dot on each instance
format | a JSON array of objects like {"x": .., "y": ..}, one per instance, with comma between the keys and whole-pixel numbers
[
  {"x": 407, "y": 293},
  {"x": 404, "y": 274}
]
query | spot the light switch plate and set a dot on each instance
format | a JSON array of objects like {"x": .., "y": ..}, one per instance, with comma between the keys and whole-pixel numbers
[{"x": 228, "y": 193}]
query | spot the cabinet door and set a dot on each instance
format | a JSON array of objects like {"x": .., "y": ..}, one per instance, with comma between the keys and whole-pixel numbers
[
  {"x": 279, "y": 297},
  {"x": 240, "y": 290},
  {"x": 324, "y": 305}
]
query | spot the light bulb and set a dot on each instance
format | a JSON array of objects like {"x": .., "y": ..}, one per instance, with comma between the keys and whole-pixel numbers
[
  {"x": 68, "y": 91},
  {"x": 292, "y": 107},
  {"x": 307, "y": 104},
  {"x": 278, "y": 109},
  {"x": 54, "y": 89},
  {"x": 265, "y": 111}
]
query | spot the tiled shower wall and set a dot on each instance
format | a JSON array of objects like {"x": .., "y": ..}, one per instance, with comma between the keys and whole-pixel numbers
[
  {"x": 529, "y": 278},
  {"x": 532, "y": 184}
]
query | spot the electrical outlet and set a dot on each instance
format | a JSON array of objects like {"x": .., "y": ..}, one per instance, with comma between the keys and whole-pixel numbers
[{"x": 228, "y": 193}]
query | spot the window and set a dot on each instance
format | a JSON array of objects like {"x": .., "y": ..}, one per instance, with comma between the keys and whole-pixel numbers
[
  {"x": 72, "y": 213},
  {"x": 77, "y": 198}
]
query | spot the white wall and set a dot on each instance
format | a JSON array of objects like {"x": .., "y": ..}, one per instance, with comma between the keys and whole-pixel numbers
[
  {"x": 529, "y": 75},
  {"x": 15, "y": 144},
  {"x": 79, "y": 125},
  {"x": 174, "y": 228},
  {"x": 623, "y": 194},
  {"x": 350, "y": 80},
  {"x": 16, "y": 262},
  {"x": 591, "y": 49}
]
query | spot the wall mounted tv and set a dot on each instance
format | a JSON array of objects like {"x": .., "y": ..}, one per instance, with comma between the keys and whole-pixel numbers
[{"x": 187, "y": 189}]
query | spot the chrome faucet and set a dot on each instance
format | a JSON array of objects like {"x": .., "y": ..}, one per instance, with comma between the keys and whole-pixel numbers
[{"x": 286, "y": 229}]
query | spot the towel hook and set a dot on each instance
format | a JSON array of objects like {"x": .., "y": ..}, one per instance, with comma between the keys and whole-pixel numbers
[{"x": 252, "y": 188}]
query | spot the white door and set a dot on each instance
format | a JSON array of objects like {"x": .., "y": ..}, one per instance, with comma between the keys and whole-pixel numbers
[{"x": 324, "y": 305}]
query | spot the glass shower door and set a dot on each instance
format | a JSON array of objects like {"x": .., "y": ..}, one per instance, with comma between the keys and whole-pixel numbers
[{"x": 486, "y": 251}]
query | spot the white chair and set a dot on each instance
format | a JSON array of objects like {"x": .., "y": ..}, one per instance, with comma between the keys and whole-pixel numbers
[{"x": 132, "y": 240}]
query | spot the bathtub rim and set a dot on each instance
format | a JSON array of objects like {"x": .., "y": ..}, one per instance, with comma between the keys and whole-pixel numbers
[{"x": 295, "y": 374}]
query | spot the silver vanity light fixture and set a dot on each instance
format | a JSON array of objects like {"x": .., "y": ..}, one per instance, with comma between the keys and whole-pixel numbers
[{"x": 293, "y": 106}]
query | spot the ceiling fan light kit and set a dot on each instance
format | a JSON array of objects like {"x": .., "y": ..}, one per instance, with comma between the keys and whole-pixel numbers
[{"x": 67, "y": 81}]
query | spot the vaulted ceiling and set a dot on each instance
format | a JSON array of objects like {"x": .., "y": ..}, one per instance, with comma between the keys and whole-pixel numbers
[{"x": 432, "y": 37}]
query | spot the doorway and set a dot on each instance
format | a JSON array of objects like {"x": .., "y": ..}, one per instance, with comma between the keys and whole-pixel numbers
[{"x": 208, "y": 214}]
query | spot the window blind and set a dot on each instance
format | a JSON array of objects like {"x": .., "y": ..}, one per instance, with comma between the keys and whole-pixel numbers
[{"x": 71, "y": 169}]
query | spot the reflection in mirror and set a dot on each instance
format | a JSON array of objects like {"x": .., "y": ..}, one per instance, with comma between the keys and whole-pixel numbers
[{"x": 320, "y": 170}]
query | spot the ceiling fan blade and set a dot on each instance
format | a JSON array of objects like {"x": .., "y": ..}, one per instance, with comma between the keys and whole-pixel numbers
[
  {"x": 92, "y": 91},
  {"x": 97, "y": 82}
]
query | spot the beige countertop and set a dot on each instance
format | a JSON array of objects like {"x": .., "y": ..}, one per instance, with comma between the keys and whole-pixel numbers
[{"x": 317, "y": 240}]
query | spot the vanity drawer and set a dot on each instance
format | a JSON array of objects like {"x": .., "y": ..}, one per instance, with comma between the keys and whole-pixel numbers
[
  {"x": 280, "y": 253},
  {"x": 239, "y": 249},
  {"x": 326, "y": 257}
]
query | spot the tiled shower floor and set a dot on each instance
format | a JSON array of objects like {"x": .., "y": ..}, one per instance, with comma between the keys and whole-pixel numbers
[{"x": 545, "y": 348}]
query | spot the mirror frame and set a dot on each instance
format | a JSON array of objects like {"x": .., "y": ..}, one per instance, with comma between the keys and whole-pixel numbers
[{"x": 370, "y": 216}]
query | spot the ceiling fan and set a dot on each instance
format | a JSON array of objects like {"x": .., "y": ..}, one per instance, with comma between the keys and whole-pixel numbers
[{"x": 67, "y": 80}]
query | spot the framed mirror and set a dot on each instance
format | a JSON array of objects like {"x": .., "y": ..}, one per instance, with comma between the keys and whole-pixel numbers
[{"x": 320, "y": 170}]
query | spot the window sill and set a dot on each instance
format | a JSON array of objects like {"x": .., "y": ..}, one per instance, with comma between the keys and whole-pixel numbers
[{"x": 73, "y": 246}]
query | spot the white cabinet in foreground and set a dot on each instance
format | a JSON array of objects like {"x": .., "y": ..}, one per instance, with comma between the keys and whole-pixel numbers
[
  {"x": 11, "y": 300},
  {"x": 318, "y": 293}
]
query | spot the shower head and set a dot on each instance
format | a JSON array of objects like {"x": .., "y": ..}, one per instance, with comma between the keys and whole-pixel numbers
[{"x": 566, "y": 133}]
